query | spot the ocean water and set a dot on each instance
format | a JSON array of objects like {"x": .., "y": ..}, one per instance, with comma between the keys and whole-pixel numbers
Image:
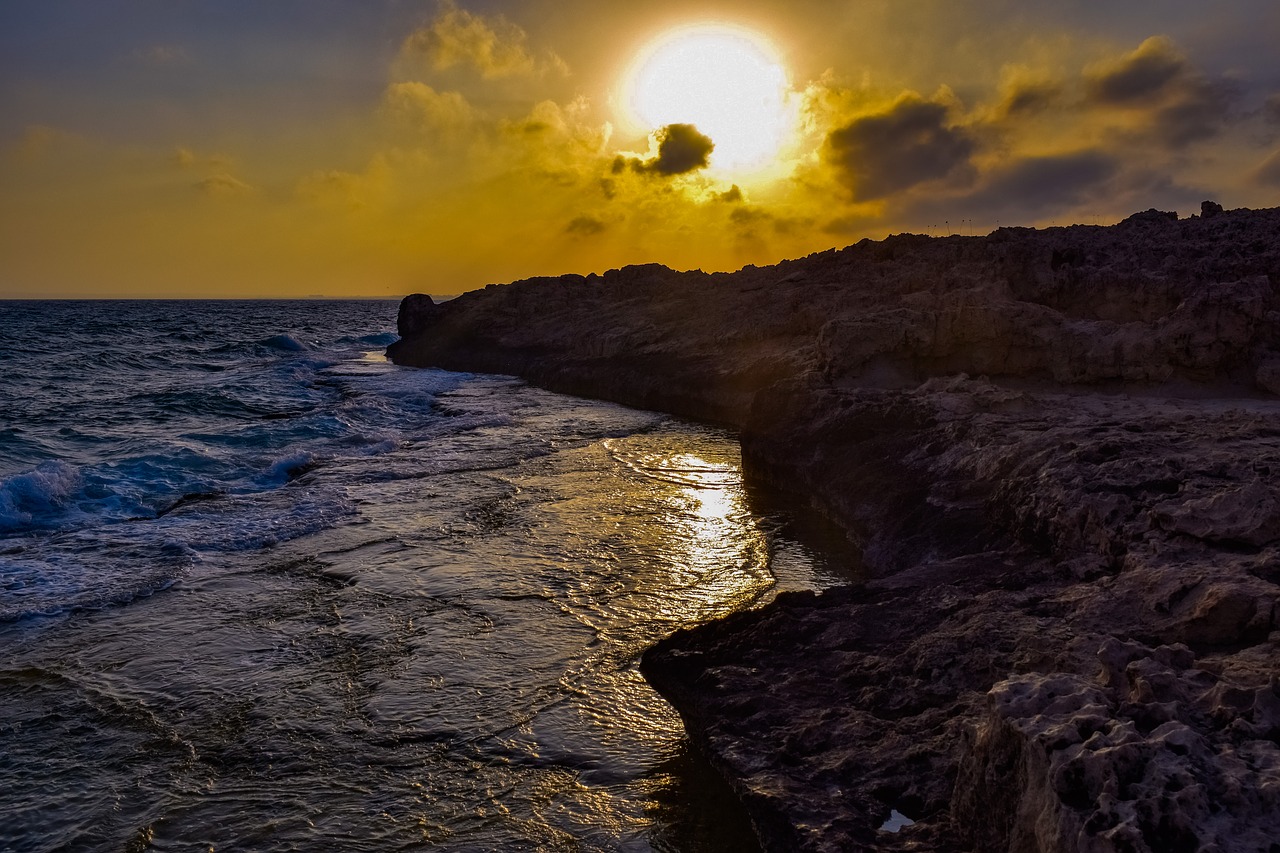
[{"x": 262, "y": 590}]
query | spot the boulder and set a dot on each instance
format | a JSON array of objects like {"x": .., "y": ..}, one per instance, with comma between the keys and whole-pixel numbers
[{"x": 418, "y": 312}]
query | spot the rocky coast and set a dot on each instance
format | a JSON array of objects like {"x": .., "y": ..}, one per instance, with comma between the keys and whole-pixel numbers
[{"x": 1059, "y": 453}]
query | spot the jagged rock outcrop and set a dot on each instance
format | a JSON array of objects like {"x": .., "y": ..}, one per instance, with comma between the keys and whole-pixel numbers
[
  {"x": 1060, "y": 453},
  {"x": 1151, "y": 300}
]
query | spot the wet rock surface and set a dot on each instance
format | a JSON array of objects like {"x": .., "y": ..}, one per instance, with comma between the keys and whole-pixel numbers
[{"x": 1060, "y": 453}]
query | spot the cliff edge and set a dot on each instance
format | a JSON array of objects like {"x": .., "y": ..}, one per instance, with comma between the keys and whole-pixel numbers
[{"x": 1060, "y": 453}]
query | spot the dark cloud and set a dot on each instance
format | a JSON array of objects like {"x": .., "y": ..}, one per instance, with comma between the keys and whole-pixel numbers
[
  {"x": 1184, "y": 104},
  {"x": 1026, "y": 99},
  {"x": 749, "y": 216},
  {"x": 733, "y": 195},
  {"x": 682, "y": 148},
  {"x": 850, "y": 225},
  {"x": 881, "y": 154},
  {"x": 1139, "y": 76},
  {"x": 1049, "y": 182},
  {"x": 585, "y": 226},
  {"x": 1201, "y": 111},
  {"x": 1271, "y": 109},
  {"x": 1269, "y": 172},
  {"x": 755, "y": 225},
  {"x": 1028, "y": 188}
]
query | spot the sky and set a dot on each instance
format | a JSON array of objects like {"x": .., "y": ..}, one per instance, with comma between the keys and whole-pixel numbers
[{"x": 289, "y": 148}]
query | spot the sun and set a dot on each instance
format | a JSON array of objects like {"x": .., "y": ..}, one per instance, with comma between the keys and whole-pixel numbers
[{"x": 725, "y": 80}]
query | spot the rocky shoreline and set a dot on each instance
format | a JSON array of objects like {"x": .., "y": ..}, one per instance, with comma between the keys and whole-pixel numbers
[{"x": 1059, "y": 452}]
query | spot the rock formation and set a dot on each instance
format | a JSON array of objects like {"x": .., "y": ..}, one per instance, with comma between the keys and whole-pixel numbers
[{"x": 1060, "y": 453}]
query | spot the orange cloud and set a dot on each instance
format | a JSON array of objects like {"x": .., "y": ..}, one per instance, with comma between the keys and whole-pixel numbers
[
  {"x": 421, "y": 116},
  {"x": 495, "y": 47},
  {"x": 39, "y": 141},
  {"x": 1025, "y": 93}
]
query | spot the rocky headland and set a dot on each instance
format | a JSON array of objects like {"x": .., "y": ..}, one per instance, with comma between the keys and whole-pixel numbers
[{"x": 1059, "y": 451}]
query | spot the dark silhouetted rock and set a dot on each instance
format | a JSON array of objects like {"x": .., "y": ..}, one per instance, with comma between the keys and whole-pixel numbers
[
  {"x": 1151, "y": 301},
  {"x": 1209, "y": 209},
  {"x": 417, "y": 313},
  {"x": 1059, "y": 452},
  {"x": 1152, "y": 215}
]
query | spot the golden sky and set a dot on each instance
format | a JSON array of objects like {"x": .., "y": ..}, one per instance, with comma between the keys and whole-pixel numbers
[{"x": 319, "y": 147}]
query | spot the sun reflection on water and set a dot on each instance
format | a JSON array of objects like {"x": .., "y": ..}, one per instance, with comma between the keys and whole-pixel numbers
[
  {"x": 689, "y": 550},
  {"x": 714, "y": 519}
]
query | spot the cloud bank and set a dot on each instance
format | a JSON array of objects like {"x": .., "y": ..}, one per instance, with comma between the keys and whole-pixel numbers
[{"x": 471, "y": 154}]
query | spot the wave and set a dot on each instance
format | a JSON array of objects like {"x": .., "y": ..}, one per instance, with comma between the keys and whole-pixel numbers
[
  {"x": 17, "y": 607},
  {"x": 204, "y": 402},
  {"x": 260, "y": 347},
  {"x": 381, "y": 339},
  {"x": 57, "y": 495},
  {"x": 256, "y": 521},
  {"x": 290, "y": 467},
  {"x": 285, "y": 343},
  {"x": 35, "y": 494}
]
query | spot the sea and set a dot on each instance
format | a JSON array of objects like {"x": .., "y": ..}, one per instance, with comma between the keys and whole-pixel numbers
[{"x": 262, "y": 590}]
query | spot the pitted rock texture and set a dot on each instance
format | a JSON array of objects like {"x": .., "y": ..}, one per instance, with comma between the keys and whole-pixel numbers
[
  {"x": 1009, "y": 536},
  {"x": 1059, "y": 452},
  {"x": 1125, "y": 760}
]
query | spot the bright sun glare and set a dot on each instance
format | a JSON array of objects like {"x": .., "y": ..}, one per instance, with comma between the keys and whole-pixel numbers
[{"x": 724, "y": 80}]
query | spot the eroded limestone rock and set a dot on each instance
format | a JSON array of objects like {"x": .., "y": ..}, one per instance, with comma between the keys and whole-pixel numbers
[
  {"x": 1128, "y": 760},
  {"x": 1059, "y": 452}
]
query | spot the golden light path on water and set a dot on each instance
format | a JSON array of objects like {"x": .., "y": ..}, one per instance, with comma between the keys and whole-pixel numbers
[{"x": 711, "y": 562}]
